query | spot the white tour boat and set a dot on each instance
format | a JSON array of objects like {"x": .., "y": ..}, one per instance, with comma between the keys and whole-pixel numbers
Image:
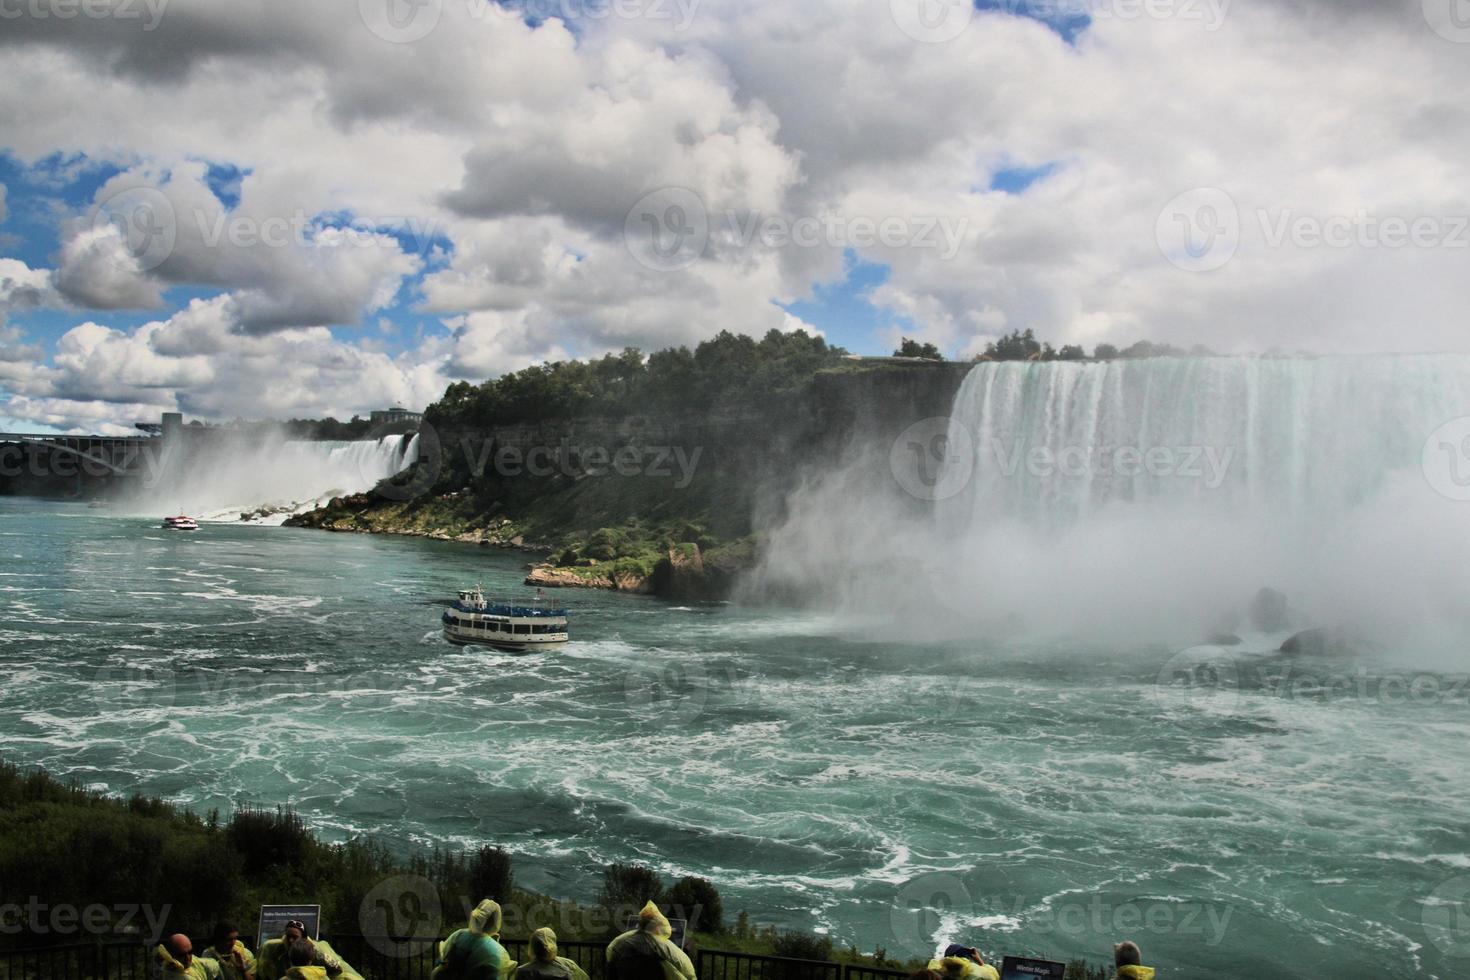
[
  {"x": 180, "y": 523},
  {"x": 474, "y": 619}
]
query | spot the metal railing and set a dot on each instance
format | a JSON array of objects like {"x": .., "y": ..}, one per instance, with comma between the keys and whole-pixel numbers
[
  {"x": 81, "y": 961},
  {"x": 412, "y": 958}
]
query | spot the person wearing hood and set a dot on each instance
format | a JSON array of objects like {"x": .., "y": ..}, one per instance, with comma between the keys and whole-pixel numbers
[
  {"x": 646, "y": 953},
  {"x": 545, "y": 963},
  {"x": 475, "y": 953},
  {"x": 302, "y": 957},
  {"x": 275, "y": 955},
  {"x": 963, "y": 963},
  {"x": 235, "y": 961},
  {"x": 1129, "y": 960}
]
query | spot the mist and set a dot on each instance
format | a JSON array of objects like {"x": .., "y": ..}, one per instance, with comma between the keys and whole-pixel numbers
[
  {"x": 1148, "y": 502},
  {"x": 229, "y": 474}
]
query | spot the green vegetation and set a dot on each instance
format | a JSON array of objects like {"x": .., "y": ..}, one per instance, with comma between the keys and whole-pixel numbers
[
  {"x": 1022, "y": 345},
  {"x": 62, "y": 845},
  {"x": 912, "y": 348},
  {"x": 728, "y": 370}
]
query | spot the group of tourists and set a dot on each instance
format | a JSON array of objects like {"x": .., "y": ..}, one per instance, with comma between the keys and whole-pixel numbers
[
  {"x": 471, "y": 953},
  {"x": 967, "y": 963},
  {"x": 292, "y": 956},
  {"x": 475, "y": 953}
]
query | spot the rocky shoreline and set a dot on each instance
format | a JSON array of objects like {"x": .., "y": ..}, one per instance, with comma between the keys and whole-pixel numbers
[{"x": 682, "y": 571}]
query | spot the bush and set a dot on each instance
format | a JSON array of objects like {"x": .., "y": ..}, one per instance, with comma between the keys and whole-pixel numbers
[
  {"x": 626, "y": 887},
  {"x": 605, "y": 544},
  {"x": 803, "y": 946},
  {"x": 269, "y": 840},
  {"x": 491, "y": 875},
  {"x": 697, "y": 900}
]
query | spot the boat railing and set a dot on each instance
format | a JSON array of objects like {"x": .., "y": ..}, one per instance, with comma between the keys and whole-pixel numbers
[{"x": 492, "y": 608}]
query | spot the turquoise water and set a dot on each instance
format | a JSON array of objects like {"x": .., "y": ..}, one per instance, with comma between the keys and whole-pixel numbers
[{"x": 1030, "y": 799}]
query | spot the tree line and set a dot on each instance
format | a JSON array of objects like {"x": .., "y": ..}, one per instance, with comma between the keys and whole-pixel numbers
[{"x": 1022, "y": 345}]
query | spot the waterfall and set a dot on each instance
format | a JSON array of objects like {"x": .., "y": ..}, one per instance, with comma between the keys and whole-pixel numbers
[
  {"x": 278, "y": 477},
  {"x": 1151, "y": 499},
  {"x": 1309, "y": 439}
]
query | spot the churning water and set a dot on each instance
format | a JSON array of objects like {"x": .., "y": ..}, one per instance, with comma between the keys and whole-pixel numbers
[{"x": 993, "y": 748}]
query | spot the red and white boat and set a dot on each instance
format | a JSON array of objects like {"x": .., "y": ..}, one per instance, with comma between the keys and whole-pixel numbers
[{"x": 180, "y": 523}]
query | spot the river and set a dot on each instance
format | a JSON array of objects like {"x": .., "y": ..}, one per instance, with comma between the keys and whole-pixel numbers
[{"x": 1027, "y": 796}]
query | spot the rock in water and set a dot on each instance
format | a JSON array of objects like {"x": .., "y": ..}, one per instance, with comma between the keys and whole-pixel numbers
[
  {"x": 1270, "y": 612},
  {"x": 1317, "y": 643}
]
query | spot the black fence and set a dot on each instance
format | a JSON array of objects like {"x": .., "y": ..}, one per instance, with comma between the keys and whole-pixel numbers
[{"x": 412, "y": 958}]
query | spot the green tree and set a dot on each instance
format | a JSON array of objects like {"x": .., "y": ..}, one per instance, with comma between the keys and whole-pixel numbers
[
  {"x": 912, "y": 348},
  {"x": 490, "y": 875},
  {"x": 626, "y": 887},
  {"x": 697, "y": 900},
  {"x": 1015, "y": 346}
]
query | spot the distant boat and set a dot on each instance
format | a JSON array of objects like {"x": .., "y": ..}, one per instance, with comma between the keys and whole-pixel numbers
[
  {"x": 180, "y": 523},
  {"x": 476, "y": 620}
]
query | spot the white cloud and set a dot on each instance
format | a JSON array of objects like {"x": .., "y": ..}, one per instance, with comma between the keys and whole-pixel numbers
[
  {"x": 197, "y": 362},
  {"x": 525, "y": 148}
]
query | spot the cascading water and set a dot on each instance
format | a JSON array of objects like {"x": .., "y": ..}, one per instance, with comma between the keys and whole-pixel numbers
[
  {"x": 275, "y": 480},
  {"x": 1149, "y": 500},
  {"x": 1304, "y": 439}
]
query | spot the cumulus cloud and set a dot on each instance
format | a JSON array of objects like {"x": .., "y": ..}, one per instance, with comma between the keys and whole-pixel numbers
[
  {"x": 285, "y": 267},
  {"x": 198, "y": 363},
  {"x": 526, "y": 148}
]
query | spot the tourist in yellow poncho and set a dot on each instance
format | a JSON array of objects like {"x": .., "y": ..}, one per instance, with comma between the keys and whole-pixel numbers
[
  {"x": 545, "y": 964},
  {"x": 174, "y": 959},
  {"x": 1129, "y": 961},
  {"x": 474, "y": 953},
  {"x": 634, "y": 955},
  {"x": 963, "y": 963},
  {"x": 235, "y": 961},
  {"x": 274, "y": 958}
]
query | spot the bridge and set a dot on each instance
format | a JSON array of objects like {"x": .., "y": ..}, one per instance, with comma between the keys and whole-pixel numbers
[{"x": 62, "y": 463}]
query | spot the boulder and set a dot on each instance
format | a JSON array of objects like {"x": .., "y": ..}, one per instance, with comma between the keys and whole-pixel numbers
[
  {"x": 1270, "y": 612},
  {"x": 680, "y": 574},
  {"x": 1318, "y": 643}
]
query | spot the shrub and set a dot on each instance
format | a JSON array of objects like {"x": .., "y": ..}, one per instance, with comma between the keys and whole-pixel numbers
[
  {"x": 803, "y": 946},
  {"x": 626, "y": 887},
  {"x": 269, "y": 840},
  {"x": 605, "y": 544},
  {"x": 491, "y": 875},
  {"x": 697, "y": 900}
]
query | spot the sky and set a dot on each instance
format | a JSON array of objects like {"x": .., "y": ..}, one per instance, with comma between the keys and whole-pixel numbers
[{"x": 241, "y": 208}]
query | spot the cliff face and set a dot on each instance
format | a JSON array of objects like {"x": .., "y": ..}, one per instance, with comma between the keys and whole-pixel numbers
[
  {"x": 843, "y": 412},
  {"x": 656, "y": 502}
]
